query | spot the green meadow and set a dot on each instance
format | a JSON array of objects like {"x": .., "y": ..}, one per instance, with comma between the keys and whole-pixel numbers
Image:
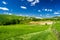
[{"x": 19, "y": 28}]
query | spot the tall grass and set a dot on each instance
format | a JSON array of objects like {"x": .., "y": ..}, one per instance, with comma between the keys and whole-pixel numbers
[{"x": 9, "y": 31}]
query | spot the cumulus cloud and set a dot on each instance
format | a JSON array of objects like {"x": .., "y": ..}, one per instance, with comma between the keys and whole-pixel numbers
[
  {"x": 39, "y": 10},
  {"x": 23, "y": 7},
  {"x": 33, "y": 2},
  {"x": 30, "y": 0},
  {"x": 48, "y": 10},
  {"x": 56, "y": 13},
  {"x": 45, "y": 9},
  {"x": 4, "y": 2},
  {"x": 10, "y": 13},
  {"x": 4, "y": 8}
]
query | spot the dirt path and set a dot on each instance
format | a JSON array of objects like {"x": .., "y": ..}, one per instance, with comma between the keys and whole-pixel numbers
[{"x": 42, "y": 22}]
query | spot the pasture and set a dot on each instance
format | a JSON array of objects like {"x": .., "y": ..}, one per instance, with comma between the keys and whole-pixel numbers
[
  {"x": 27, "y": 32},
  {"x": 14, "y": 27}
]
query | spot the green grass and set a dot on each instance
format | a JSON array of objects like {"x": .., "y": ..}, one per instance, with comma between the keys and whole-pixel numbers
[
  {"x": 26, "y": 32},
  {"x": 57, "y": 26}
]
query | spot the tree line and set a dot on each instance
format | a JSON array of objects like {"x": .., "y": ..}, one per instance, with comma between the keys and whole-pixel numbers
[{"x": 9, "y": 20}]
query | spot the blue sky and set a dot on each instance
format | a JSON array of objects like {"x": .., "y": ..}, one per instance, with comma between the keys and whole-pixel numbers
[{"x": 38, "y": 8}]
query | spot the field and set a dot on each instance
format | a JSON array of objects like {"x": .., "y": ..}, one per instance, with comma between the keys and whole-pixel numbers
[
  {"x": 27, "y": 32},
  {"x": 29, "y": 28}
]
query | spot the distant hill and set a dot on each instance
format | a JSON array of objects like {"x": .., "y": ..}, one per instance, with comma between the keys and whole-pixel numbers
[
  {"x": 14, "y": 19},
  {"x": 57, "y": 17}
]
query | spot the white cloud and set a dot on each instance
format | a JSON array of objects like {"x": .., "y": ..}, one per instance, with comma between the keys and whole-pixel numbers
[
  {"x": 4, "y": 8},
  {"x": 30, "y": 0},
  {"x": 33, "y": 3},
  {"x": 23, "y": 7},
  {"x": 56, "y": 13},
  {"x": 10, "y": 13},
  {"x": 48, "y": 10},
  {"x": 7, "y": 13},
  {"x": 39, "y": 10},
  {"x": 4, "y": 2}
]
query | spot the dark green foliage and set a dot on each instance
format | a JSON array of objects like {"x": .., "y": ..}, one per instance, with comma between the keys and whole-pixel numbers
[
  {"x": 13, "y": 19},
  {"x": 9, "y": 19}
]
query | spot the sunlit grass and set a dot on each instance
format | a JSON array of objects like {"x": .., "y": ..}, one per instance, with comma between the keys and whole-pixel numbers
[
  {"x": 17, "y": 30},
  {"x": 28, "y": 32}
]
